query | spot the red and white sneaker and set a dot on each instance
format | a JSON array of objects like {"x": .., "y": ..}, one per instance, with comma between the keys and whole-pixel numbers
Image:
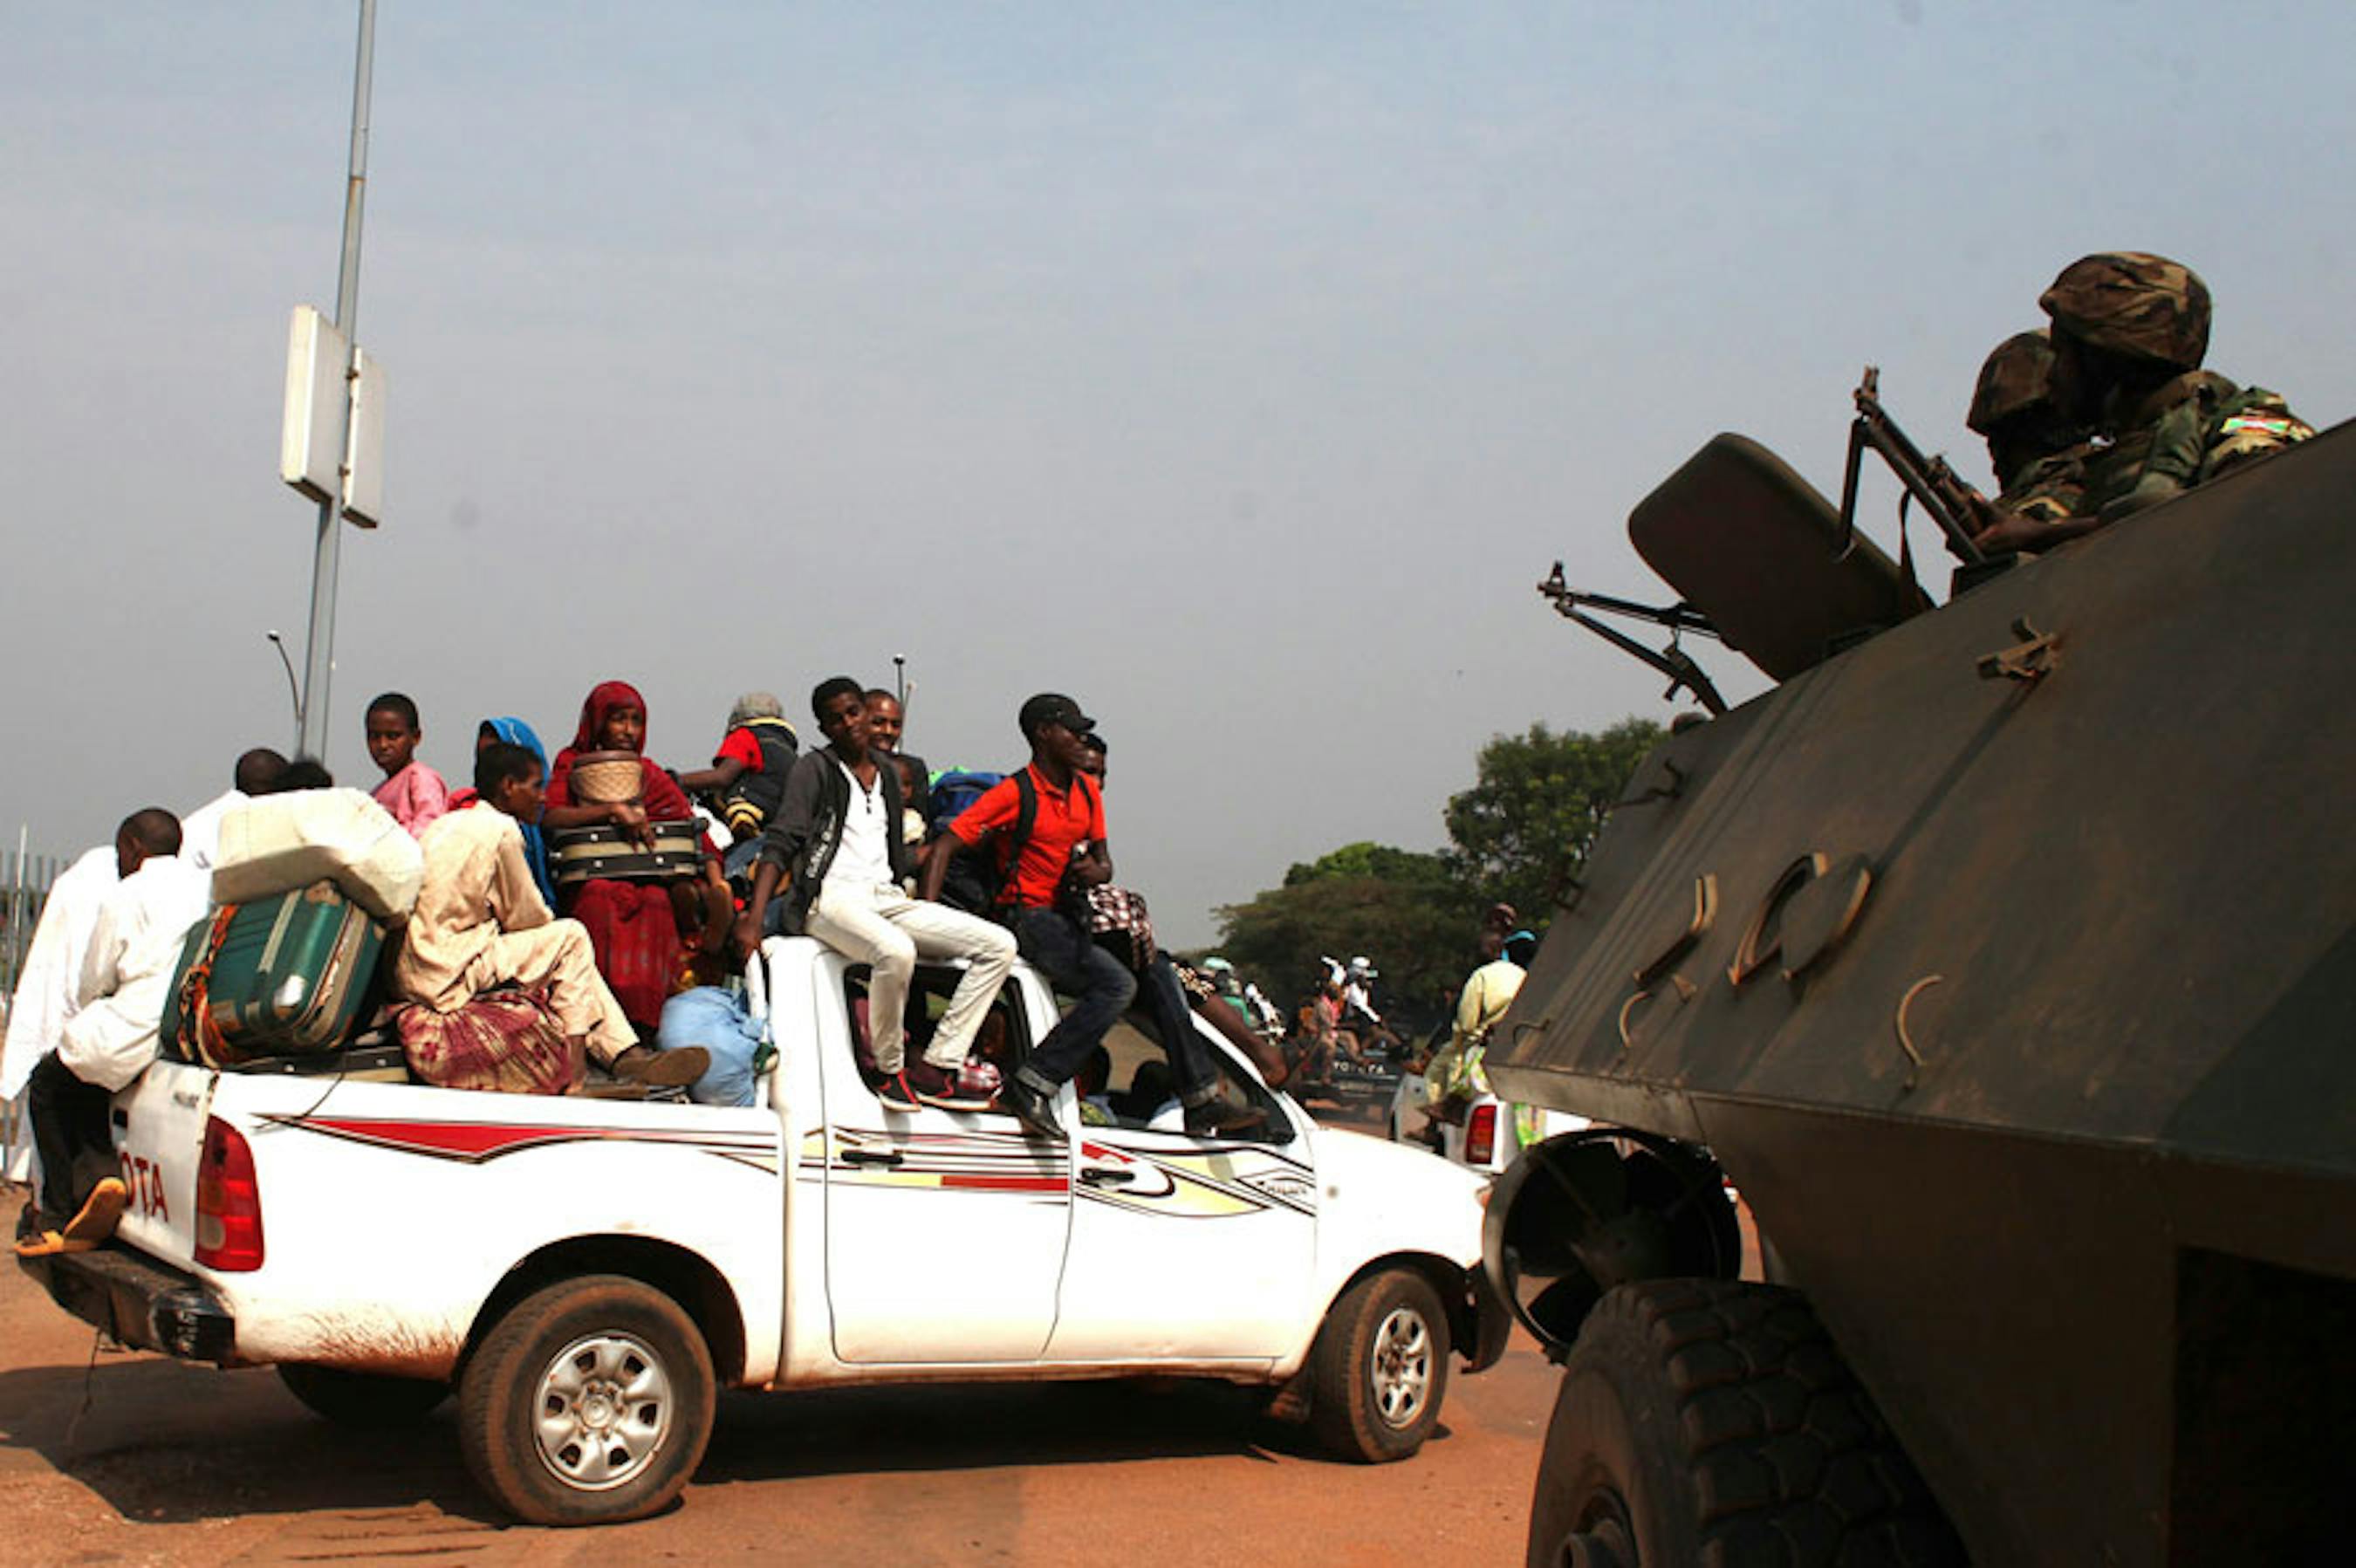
[{"x": 971, "y": 1088}]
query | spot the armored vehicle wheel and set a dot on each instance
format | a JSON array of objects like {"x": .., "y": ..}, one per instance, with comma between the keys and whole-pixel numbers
[
  {"x": 1707, "y": 1420},
  {"x": 589, "y": 1403},
  {"x": 364, "y": 1400},
  {"x": 1379, "y": 1369}
]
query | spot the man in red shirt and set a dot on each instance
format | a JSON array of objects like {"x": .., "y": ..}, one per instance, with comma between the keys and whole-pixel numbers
[{"x": 1066, "y": 839}]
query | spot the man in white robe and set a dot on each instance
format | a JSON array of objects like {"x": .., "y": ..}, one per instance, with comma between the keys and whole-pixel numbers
[
  {"x": 48, "y": 986},
  {"x": 111, "y": 1038}
]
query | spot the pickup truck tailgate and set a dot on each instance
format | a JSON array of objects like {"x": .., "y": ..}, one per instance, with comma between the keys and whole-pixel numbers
[{"x": 159, "y": 1139}]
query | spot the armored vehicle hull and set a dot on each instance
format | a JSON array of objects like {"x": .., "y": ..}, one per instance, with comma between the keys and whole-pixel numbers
[{"x": 2007, "y": 963}]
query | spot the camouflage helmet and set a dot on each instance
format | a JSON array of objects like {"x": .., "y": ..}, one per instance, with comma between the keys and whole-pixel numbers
[
  {"x": 2135, "y": 304},
  {"x": 2016, "y": 378}
]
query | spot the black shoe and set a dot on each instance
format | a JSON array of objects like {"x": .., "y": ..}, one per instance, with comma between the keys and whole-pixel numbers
[
  {"x": 1213, "y": 1120},
  {"x": 896, "y": 1092},
  {"x": 950, "y": 1091},
  {"x": 1035, "y": 1111}
]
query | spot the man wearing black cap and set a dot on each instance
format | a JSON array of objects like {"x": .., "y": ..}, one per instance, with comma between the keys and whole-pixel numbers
[{"x": 1066, "y": 838}]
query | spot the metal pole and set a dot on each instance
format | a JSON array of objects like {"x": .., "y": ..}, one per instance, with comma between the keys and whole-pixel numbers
[
  {"x": 293, "y": 692},
  {"x": 320, "y": 653},
  {"x": 17, "y": 907}
]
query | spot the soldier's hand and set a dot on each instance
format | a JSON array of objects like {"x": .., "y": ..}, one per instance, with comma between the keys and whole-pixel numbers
[{"x": 2009, "y": 532}]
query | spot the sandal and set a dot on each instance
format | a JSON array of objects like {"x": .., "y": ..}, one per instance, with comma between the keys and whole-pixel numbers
[
  {"x": 51, "y": 1243},
  {"x": 41, "y": 1244},
  {"x": 100, "y": 1213}
]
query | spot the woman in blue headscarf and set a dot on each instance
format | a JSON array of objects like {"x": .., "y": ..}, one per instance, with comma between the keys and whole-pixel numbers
[{"x": 515, "y": 732}]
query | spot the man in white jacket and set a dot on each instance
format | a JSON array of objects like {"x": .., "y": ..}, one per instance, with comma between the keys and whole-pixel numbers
[
  {"x": 111, "y": 1038},
  {"x": 49, "y": 984},
  {"x": 258, "y": 772}
]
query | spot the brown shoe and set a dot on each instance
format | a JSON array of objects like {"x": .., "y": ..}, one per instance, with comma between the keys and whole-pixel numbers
[{"x": 662, "y": 1070}]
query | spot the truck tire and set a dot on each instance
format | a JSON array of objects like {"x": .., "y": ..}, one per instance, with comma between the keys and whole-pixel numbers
[
  {"x": 1379, "y": 1369},
  {"x": 1712, "y": 1422},
  {"x": 362, "y": 1400},
  {"x": 590, "y": 1402}
]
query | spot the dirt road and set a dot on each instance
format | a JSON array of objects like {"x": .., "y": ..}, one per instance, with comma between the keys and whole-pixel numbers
[{"x": 166, "y": 1463}]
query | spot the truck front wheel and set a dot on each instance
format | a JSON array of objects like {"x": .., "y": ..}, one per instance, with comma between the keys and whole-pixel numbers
[
  {"x": 1708, "y": 1421},
  {"x": 590, "y": 1402},
  {"x": 1379, "y": 1369}
]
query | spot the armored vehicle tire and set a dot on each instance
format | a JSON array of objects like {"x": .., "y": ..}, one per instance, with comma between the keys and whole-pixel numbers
[
  {"x": 1379, "y": 1369},
  {"x": 590, "y": 1402},
  {"x": 1712, "y": 1422},
  {"x": 363, "y": 1400}
]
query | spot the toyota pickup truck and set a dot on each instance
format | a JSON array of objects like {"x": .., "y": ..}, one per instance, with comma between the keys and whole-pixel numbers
[{"x": 586, "y": 1275}]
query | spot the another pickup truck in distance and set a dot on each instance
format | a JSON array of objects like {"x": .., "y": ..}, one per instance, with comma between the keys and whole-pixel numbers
[{"x": 587, "y": 1273}]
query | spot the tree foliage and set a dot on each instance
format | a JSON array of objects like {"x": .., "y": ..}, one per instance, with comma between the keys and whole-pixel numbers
[
  {"x": 1522, "y": 832},
  {"x": 1403, "y": 907},
  {"x": 1520, "y": 835}
]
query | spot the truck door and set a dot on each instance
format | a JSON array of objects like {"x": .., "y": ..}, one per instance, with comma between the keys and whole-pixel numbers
[
  {"x": 1185, "y": 1247},
  {"x": 945, "y": 1231}
]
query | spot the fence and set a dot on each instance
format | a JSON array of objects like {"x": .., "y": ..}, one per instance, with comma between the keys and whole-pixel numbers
[{"x": 25, "y": 882}]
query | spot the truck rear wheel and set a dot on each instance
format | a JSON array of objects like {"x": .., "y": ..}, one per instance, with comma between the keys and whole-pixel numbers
[
  {"x": 363, "y": 1400},
  {"x": 1708, "y": 1421},
  {"x": 1379, "y": 1369},
  {"x": 590, "y": 1402}
]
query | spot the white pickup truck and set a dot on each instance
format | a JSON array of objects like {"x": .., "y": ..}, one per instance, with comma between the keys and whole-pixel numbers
[
  {"x": 588, "y": 1273},
  {"x": 1488, "y": 1137}
]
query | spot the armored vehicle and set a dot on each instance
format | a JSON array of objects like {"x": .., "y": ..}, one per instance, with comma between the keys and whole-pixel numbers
[{"x": 2003, "y": 955}]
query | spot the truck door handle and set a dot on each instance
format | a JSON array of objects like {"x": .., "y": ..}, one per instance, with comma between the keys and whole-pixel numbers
[
  {"x": 872, "y": 1156},
  {"x": 1101, "y": 1176}
]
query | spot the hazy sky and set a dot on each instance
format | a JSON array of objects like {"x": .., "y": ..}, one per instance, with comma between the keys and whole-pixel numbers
[{"x": 1237, "y": 367}]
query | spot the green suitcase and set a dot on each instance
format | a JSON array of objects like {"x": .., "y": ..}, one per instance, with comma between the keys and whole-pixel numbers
[{"x": 285, "y": 975}]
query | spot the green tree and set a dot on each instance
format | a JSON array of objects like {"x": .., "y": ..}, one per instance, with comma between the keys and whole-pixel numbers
[
  {"x": 1403, "y": 909},
  {"x": 1520, "y": 835},
  {"x": 1522, "y": 832}
]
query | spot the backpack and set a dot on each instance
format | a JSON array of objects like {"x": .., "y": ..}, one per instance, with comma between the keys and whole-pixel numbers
[
  {"x": 981, "y": 879},
  {"x": 952, "y": 792},
  {"x": 754, "y": 799}
]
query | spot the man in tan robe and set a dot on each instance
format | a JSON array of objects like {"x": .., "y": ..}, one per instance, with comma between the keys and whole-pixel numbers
[{"x": 480, "y": 922}]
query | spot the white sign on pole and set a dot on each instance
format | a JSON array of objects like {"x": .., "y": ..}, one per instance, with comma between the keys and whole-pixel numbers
[
  {"x": 364, "y": 467},
  {"x": 309, "y": 457},
  {"x": 317, "y": 356}
]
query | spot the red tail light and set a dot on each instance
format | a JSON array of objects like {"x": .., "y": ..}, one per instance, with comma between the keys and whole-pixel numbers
[
  {"x": 229, "y": 1202},
  {"x": 1481, "y": 1135}
]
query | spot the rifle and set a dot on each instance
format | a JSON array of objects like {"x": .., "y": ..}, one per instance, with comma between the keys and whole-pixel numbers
[
  {"x": 1673, "y": 660},
  {"x": 1940, "y": 491}
]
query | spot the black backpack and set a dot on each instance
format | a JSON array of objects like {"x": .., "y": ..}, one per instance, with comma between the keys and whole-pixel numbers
[
  {"x": 981, "y": 879},
  {"x": 754, "y": 798}
]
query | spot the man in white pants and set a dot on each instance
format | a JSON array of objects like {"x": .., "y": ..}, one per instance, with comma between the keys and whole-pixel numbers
[{"x": 836, "y": 833}]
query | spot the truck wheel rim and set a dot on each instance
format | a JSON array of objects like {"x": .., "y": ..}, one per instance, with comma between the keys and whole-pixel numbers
[
  {"x": 603, "y": 1412},
  {"x": 1402, "y": 1367}
]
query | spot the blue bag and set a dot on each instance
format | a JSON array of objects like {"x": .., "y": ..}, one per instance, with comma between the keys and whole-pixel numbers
[{"x": 719, "y": 1021}]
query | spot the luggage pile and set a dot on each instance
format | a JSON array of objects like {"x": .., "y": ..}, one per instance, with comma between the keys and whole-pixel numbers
[{"x": 307, "y": 888}]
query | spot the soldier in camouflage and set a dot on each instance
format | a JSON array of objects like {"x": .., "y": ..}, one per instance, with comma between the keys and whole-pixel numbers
[
  {"x": 2130, "y": 330},
  {"x": 2038, "y": 451}
]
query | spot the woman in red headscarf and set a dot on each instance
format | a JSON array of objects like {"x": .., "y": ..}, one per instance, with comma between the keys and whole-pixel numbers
[{"x": 632, "y": 925}]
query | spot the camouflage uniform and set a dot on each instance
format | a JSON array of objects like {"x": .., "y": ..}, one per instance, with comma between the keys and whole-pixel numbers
[
  {"x": 2147, "y": 308},
  {"x": 2039, "y": 453},
  {"x": 2187, "y": 433}
]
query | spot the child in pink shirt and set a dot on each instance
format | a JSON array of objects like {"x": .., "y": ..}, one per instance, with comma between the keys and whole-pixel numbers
[{"x": 411, "y": 791}]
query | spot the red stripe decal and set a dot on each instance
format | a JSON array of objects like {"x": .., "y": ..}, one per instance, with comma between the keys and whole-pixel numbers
[{"x": 1006, "y": 1183}]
